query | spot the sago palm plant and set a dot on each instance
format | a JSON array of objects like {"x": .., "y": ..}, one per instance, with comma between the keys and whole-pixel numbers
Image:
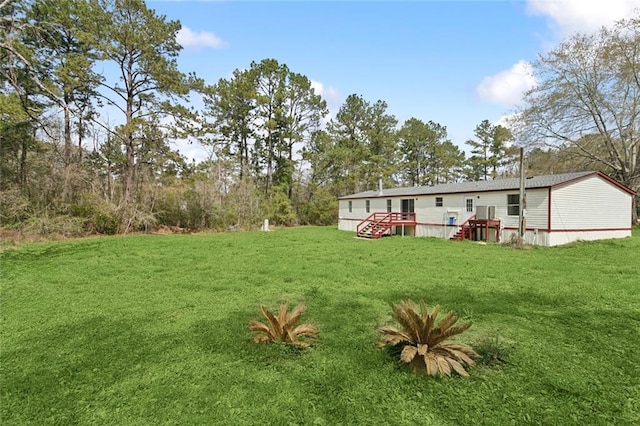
[
  {"x": 424, "y": 340},
  {"x": 283, "y": 326}
]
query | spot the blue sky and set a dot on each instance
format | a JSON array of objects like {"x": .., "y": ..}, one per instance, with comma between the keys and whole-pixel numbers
[{"x": 453, "y": 62}]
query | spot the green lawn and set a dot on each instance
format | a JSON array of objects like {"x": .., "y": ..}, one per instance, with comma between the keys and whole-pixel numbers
[{"x": 153, "y": 330}]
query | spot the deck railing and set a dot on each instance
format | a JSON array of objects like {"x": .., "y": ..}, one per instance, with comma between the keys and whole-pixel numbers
[
  {"x": 464, "y": 228},
  {"x": 380, "y": 222}
]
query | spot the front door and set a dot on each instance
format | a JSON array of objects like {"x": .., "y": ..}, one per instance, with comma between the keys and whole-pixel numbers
[
  {"x": 407, "y": 205},
  {"x": 469, "y": 207}
]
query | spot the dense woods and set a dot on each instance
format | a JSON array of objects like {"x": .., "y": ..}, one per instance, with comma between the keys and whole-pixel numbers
[{"x": 91, "y": 99}]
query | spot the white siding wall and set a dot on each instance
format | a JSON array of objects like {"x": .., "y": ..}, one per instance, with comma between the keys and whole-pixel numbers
[
  {"x": 433, "y": 221},
  {"x": 537, "y": 206},
  {"x": 589, "y": 204},
  {"x": 348, "y": 221},
  {"x": 427, "y": 212}
]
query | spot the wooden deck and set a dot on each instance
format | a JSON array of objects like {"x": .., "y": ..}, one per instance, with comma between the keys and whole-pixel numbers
[{"x": 478, "y": 229}]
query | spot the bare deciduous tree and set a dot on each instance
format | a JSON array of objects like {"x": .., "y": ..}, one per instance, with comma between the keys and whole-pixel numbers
[{"x": 588, "y": 98}]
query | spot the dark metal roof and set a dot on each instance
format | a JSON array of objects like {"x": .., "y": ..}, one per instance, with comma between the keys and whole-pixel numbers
[{"x": 545, "y": 181}]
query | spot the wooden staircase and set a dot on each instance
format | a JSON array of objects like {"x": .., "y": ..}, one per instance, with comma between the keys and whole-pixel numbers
[
  {"x": 374, "y": 230},
  {"x": 464, "y": 230},
  {"x": 379, "y": 224}
]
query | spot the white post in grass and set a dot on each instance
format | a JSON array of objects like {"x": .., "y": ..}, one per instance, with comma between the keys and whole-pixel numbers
[{"x": 265, "y": 225}]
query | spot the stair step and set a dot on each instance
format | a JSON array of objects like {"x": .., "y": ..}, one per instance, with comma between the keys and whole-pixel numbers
[{"x": 375, "y": 227}]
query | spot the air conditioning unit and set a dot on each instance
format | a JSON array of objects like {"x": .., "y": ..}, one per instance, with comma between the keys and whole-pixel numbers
[{"x": 485, "y": 212}]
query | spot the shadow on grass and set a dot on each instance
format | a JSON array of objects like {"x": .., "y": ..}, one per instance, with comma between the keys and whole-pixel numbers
[
  {"x": 57, "y": 374},
  {"x": 63, "y": 374},
  {"x": 112, "y": 370},
  {"x": 479, "y": 301},
  {"x": 231, "y": 338},
  {"x": 40, "y": 251}
]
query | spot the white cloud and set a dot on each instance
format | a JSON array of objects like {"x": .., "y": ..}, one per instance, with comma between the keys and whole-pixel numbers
[
  {"x": 191, "y": 150},
  {"x": 569, "y": 16},
  {"x": 317, "y": 86},
  {"x": 329, "y": 93},
  {"x": 188, "y": 38},
  {"x": 507, "y": 87},
  {"x": 509, "y": 120}
]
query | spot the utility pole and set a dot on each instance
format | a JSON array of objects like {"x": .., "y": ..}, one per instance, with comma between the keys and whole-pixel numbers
[{"x": 522, "y": 220}]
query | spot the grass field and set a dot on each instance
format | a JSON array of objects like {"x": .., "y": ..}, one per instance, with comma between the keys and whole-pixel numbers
[{"x": 152, "y": 329}]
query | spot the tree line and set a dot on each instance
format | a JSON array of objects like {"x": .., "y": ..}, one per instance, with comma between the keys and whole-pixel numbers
[{"x": 92, "y": 98}]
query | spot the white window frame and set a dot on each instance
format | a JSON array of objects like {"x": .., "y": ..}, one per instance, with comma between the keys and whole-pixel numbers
[
  {"x": 511, "y": 205},
  {"x": 469, "y": 205}
]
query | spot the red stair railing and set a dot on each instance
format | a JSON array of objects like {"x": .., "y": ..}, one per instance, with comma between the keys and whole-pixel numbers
[
  {"x": 464, "y": 229},
  {"x": 378, "y": 223}
]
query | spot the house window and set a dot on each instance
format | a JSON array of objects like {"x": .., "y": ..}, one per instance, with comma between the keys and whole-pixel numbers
[
  {"x": 367, "y": 206},
  {"x": 513, "y": 204},
  {"x": 350, "y": 206},
  {"x": 469, "y": 205},
  {"x": 438, "y": 201},
  {"x": 388, "y": 206}
]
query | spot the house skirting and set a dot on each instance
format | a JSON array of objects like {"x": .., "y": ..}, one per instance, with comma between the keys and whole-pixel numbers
[{"x": 540, "y": 237}]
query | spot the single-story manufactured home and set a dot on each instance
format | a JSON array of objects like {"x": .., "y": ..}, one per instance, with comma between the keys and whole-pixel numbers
[{"x": 558, "y": 209}]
